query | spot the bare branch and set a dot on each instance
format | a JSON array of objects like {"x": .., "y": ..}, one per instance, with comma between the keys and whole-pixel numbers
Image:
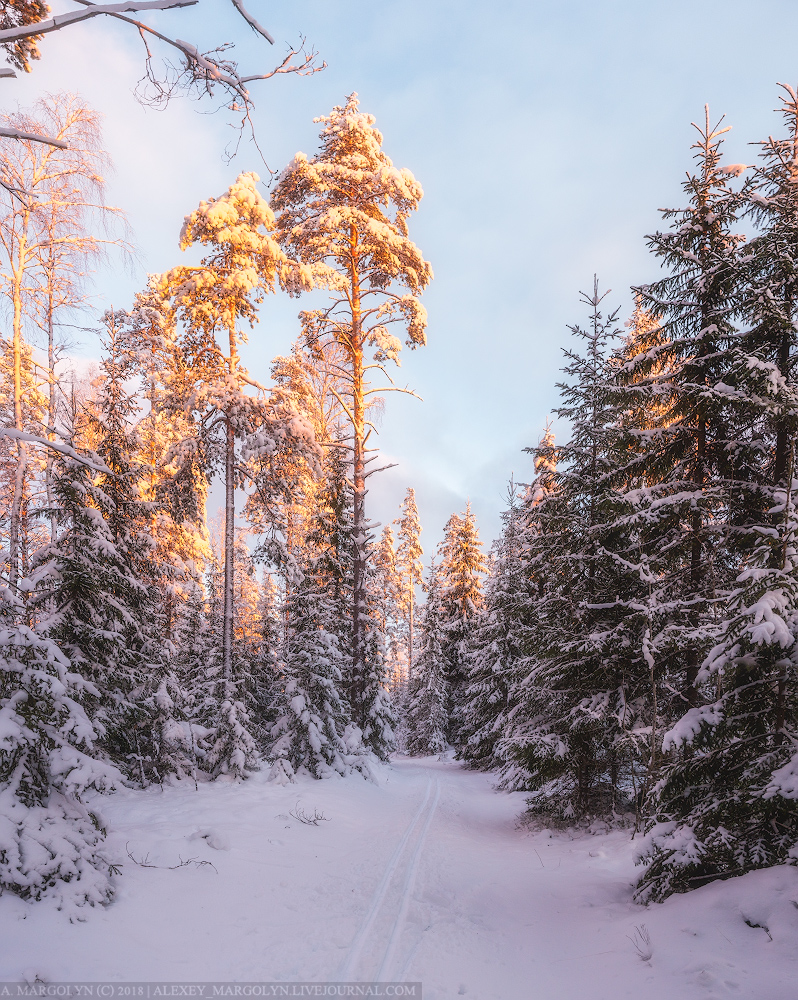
[
  {"x": 242, "y": 10},
  {"x": 393, "y": 388},
  {"x": 382, "y": 468}
]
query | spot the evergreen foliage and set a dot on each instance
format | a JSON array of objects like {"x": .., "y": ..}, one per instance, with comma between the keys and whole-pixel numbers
[
  {"x": 315, "y": 732},
  {"x": 498, "y": 648},
  {"x": 461, "y": 567},
  {"x": 50, "y": 842},
  {"x": 427, "y": 709}
]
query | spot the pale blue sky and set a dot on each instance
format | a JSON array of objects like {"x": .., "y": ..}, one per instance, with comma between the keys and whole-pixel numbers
[{"x": 546, "y": 135}]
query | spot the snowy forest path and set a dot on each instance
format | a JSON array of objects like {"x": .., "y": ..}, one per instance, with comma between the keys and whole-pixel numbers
[{"x": 421, "y": 875}]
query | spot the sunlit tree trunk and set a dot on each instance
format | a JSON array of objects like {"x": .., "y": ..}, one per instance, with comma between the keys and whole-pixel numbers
[
  {"x": 52, "y": 389},
  {"x": 17, "y": 277},
  {"x": 229, "y": 531},
  {"x": 358, "y": 474}
]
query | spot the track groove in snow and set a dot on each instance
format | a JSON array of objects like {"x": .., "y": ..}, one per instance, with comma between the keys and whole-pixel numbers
[
  {"x": 350, "y": 964},
  {"x": 386, "y": 971}
]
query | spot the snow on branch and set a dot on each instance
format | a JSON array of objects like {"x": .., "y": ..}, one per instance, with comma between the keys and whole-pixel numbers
[
  {"x": 63, "y": 449},
  {"x": 15, "y": 133},
  {"x": 242, "y": 10},
  {"x": 8, "y": 35}
]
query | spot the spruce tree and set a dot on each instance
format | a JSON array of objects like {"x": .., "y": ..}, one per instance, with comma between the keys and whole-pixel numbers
[
  {"x": 461, "y": 567},
  {"x": 51, "y": 843},
  {"x": 725, "y": 799},
  {"x": 385, "y": 588},
  {"x": 692, "y": 454},
  {"x": 314, "y": 732},
  {"x": 409, "y": 566},
  {"x": 266, "y": 669},
  {"x": 582, "y": 702},
  {"x": 103, "y": 597},
  {"x": 498, "y": 647},
  {"x": 231, "y": 744},
  {"x": 426, "y": 719}
]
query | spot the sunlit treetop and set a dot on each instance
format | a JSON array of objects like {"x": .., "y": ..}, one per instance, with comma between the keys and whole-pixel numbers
[{"x": 348, "y": 206}]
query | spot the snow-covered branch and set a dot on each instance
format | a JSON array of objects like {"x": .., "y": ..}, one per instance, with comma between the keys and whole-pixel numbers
[
  {"x": 17, "y": 34},
  {"x": 15, "y": 133},
  {"x": 62, "y": 449}
]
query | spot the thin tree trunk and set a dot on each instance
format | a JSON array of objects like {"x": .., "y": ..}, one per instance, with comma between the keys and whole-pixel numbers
[
  {"x": 359, "y": 483},
  {"x": 229, "y": 543},
  {"x": 781, "y": 687},
  {"x": 358, "y": 527},
  {"x": 410, "y": 642},
  {"x": 22, "y": 454},
  {"x": 229, "y": 537},
  {"x": 51, "y": 408}
]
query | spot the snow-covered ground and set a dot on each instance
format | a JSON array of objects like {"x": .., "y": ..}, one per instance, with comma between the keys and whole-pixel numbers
[{"x": 422, "y": 876}]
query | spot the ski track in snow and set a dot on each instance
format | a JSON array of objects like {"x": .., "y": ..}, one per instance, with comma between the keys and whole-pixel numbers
[
  {"x": 385, "y": 973},
  {"x": 351, "y": 960}
]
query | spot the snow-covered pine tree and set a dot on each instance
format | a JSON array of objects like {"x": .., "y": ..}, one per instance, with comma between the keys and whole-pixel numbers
[
  {"x": 315, "y": 732},
  {"x": 194, "y": 656},
  {"x": 347, "y": 209},
  {"x": 409, "y": 567},
  {"x": 373, "y": 709},
  {"x": 330, "y": 546},
  {"x": 500, "y": 640},
  {"x": 520, "y": 721},
  {"x": 102, "y": 597},
  {"x": 50, "y": 841},
  {"x": 230, "y": 742},
  {"x": 461, "y": 567},
  {"x": 385, "y": 586},
  {"x": 725, "y": 801},
  {"x": 426, "y": 718},
  {"x": 331, "y": 551},
  {"x": 578, "y": 730},
  {"x": 266, "y": 668},
  {"x": 685, "y": 448},
  {"x": 726, "y": 798}
]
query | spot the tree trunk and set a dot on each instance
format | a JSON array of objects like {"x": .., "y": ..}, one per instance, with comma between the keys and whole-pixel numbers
[
  {"x": 359, "y": 483},
  {"x": 51, "y": 408},
  {"x": 690, "y": 691},
  {"x": 229, "y": 546},
  {"x": 229, "y": 537},
  {"x": 410, "y": 638},
  {"x": 22, "y": 454}
]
